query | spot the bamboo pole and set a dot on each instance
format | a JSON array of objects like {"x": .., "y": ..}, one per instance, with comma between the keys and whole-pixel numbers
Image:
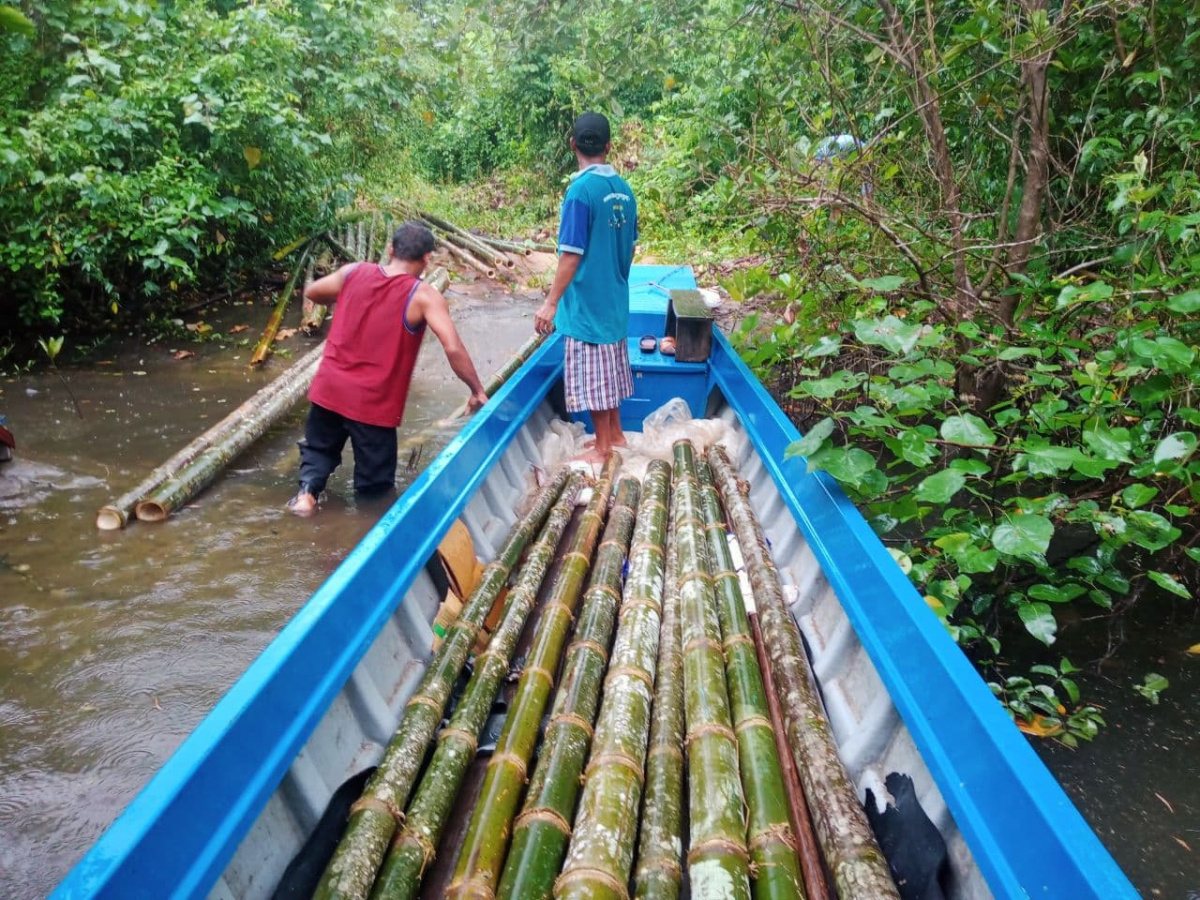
[
  {"x": 414, "y": 847},
  {"x": 770, "y": 837},
  {"x": 263, "y": 349},
  {"x": 373, "y": 818},
  {"x": 859, "y": 868},
  {"x": 339, "y": 248},
  {"x": 120, "y": 512},
  {"x": 464, "y": 257},
  {"x": 463, "y": 236},
  {"x": 659, "y": 872},
  {"x": 600, "y": 856},
  {"x": 481, "y": 856},
  {"x": 508, "y": 246},
  {"x": 360, "y": 240},
  {"x": 541, "y": 831},
  {"x": 718, "y": 859},
  {"x": 348, "y": 240},
  {"x": 482, "y": 252},
  {"x": 313, "y": 316}
]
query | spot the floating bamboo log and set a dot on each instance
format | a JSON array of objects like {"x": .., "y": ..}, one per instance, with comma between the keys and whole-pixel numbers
[
  {"x": 859, "y": 868},
  {"x": 263, "y": 350},
  {"x": 416, "y": 844},
  {"x": 659, "y": 872},
  {"x": 600, "y": 856},
  {"x": 464, "y": 257},
  {"x": 120, "y": 512},
  {"x": 373, "y": 819},
  {"x": 243, "y": 422},
  {"x": 540, "y": 834},
  {"x": 481, "y": 856},
  {"x": 718, "y": 860},
  {"x": 770, "y": 838}
]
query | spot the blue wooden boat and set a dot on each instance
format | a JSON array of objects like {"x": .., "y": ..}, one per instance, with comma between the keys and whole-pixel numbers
[{"x": 235, "y": 803}]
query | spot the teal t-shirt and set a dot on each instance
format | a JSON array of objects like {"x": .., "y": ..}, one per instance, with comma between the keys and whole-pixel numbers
[{"x": 599, "y": 222}]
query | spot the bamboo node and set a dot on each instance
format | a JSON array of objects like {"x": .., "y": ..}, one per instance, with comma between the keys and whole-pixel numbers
[
  {"x": 659, "y": 863},
  {"x": 413, "y": 836},
  {"x": 738, "y": 638},
  {"x": 469, "y": 889},
  {"x": 462, "y": 734},
  {"x": 586, "y": 874},
  {"x": 543, "y": 814},
  {"x": 681, "y": 580},
  {"x": 539, "y": 670},
  {"x": 383, "y": 806},
  {"x": 587, "y": 644},
  {"x": 632, "y": 672},
  {"x": 585, "y": 558},
  {"x": 713, "y": 728},
  {"x": 779, "y": 833},
  {"x": 615, "y": 758},
  {"x": 704, "y": 643},
  {"x": 573, "y": 719},
  {"x": 718, "y": 845},
  {"x": 724, "y": 573},
  {"x": 630, "y": 605},
  {"x": 645, "y": 547},
  {"x": 499, "y": 759},
  {"x": 671, "y": 749},
  {"x": 755, "y": 721},
  {"x": 606, "y": 589},
  {"x": 426, "y": 700}
]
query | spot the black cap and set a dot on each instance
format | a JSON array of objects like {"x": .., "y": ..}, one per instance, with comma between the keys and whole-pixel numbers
[{"x": 591, "y": 133}]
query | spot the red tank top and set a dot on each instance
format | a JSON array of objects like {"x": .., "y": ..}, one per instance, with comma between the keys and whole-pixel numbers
[{"x": 367, "y": 366}]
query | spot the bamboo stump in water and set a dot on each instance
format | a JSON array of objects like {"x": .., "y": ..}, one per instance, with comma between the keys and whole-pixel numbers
[
  {"x": 373, "y": 820},
  {"x": 541, "y": 831},
  {"x": 601, "y": 852},
  {"x": 859, "y": 869}
]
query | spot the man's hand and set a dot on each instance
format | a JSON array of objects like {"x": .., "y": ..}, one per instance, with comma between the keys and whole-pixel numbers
[
  {"x": 477, "y": 400},
  {"x": 543, "y": 319}
]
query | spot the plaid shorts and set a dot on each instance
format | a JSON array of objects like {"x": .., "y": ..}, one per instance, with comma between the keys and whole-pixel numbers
[{"x": 597, "y": 376}]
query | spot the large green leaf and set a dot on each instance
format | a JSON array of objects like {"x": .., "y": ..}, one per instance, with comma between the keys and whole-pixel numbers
[
  {"x": 1186, "y": 303},
  {"x": 967, "y": 429},
  {"x": 1112, "y": 444},
  {"x": 1166, "y": 353},
  {"x": 1026, "y": 536},
  {"x": 1042, "y": 458},
  {"x": 827, "y": 388},
  {"x": 939, "y": 488},
  {"x": 1179, "y": 445},
  {"x": 812, "y": 440},
  {"x": 889, "y": 332},
  {"x": 1039, "y": 621},
  {"x": 1170, "y": 583},
  {"x": 13, "y": 20},
  {"x": 1150, "y": 530},
  {"x": 968, "y": 555}
]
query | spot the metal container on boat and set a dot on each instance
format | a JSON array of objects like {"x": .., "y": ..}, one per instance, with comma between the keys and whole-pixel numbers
[{"x": 232, "y": 807}]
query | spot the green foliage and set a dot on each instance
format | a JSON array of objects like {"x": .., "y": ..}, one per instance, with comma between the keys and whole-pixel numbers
[
  {"x": 151, "y": 148},
  {"x": 1039, "y": 707},
  {"x": 1152, "y": 685}
]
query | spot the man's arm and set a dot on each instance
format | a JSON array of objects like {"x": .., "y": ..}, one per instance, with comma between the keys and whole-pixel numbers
[
  {"x": 325, "y": 290},
  {"x": 568, "y": 265},
  {"x": 436, "y": 313}
]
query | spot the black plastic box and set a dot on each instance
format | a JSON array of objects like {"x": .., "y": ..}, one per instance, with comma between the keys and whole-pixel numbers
[{"x": 690, "y": 322}]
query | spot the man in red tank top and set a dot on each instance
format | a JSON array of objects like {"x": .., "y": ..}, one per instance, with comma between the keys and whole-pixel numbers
[{"x": 362, "y": 382}]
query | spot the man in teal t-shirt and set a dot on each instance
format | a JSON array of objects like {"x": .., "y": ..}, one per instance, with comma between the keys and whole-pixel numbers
[{"x": 596, "y": 236}]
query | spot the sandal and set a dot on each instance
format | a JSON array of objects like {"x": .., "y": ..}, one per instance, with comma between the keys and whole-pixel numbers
[
  {"x": 648, "y": 343},
  {"x": 667, "y": 346}
]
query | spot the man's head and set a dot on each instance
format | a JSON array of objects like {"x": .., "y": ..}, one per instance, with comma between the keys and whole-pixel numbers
[
  {"x": 412, "y": 242},
  {"x": 590, "y": 136}
]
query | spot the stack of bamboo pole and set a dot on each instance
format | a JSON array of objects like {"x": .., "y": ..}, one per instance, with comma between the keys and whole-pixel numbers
[{"x": 674, "y": 716}]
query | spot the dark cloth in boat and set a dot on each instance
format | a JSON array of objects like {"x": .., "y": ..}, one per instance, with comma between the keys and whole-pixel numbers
[
  {"x": 597, "y": 376},
  {"x": 325, "y": 435}
]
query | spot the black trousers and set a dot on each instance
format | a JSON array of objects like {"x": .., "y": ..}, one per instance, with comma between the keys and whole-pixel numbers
[{"x": 325, "y": 435}]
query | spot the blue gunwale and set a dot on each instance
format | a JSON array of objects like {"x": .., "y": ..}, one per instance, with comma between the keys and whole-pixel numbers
[
  {"x": 1027, "y": 837},
  {"x": 179, "y": 833}
]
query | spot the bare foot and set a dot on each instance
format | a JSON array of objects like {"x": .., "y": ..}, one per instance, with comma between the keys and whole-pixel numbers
[
  {"x": 619, "y": 442},
  {"x": 303, "y": 504},
  {"x": 592, "y": 457}
]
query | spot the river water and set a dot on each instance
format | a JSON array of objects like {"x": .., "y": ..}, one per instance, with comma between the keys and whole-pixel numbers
[{"x": 113, "y": 645}]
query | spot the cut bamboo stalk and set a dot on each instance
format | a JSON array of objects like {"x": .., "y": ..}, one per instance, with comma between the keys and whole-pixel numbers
[
  {"x": 849, "y": 847},
  {"x": 600, "y": 856},
  {"x": 120, "y": 512},
  {"x": 482, "y": 252},
  {"x": 462, "y": 234},
  {"x": 348, "y": 240},
  {"x": 481, "y": 856},
  {"x": 659, "y": 872},
  {"x": 243, "y": 426},
  {"x": 339, "y": 248},
  {"x": 351, "y": 871},
  {"x": 718, "y": 859},
  {"x": 313, "y": 316},
  {"x": 508, "y": 246},
  {"x": 811, "y": 864},
  {"x": 372, "y": 248},
  {"x": 464, "y": 257},
  {"x": 414, "y": 847},
  {"x": 360, "y": 240},
  {"x": 263, "y": 350},
  {"x": 540, "y": 834},
  {"x": 770, "y": 836}
]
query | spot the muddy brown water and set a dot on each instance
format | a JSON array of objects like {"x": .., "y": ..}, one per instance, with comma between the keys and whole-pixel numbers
[{"x": 113, "y": 645}]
